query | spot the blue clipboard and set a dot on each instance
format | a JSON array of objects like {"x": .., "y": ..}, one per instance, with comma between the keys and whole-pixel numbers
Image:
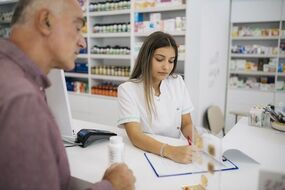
[{"x": 163, "y": 167}]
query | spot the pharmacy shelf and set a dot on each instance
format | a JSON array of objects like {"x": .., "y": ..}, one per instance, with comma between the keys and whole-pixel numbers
[
  {"x": 106, "y": 56},
  {"x": 82, "y": 56},
  {"x": 91, "y": 95},
  {"x": 181, "y": 57},
  {"x": 77, "y": 93},
  {"x": 280, "y": 91},
  {"x": 253, "y": 28},
  {"x": 5, "y": 22},
  {"x": 281, "y": 74},
  {"x": 82, "y": 94},
  {"x": 76, "y": 75},
  {"x": 253, "y": 73},
  {"x": 110, "y": 13},
  {"x": 161, "y": 9},
  {"x": 108, "y": 77},
  {"x": 256, "y": 38},
  {"x": 4, "y": 2},
  {"x": 251, "y": 89},
  {"x": 110, "y": 35},
  {"x": 256, "y": 22},
  {"x": 173, "y": 33},
  {"x": 236, "y": 55},
  {"x": 263, "y": 94},
  {"x": 103, "y": 97}
]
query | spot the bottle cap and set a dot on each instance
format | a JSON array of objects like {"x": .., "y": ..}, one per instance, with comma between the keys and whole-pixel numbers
[{"x": 116, "y": 139}]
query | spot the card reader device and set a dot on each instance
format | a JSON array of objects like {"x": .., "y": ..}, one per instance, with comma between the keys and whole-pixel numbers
[{"x": 87, "y": 136}]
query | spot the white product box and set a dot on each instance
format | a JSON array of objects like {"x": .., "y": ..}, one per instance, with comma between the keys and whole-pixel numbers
[{"x": 169, "y": 25}]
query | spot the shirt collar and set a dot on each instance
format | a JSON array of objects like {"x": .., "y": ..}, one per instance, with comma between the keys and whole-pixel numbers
[
  {"x": 162, "y": 87},
  {"x": 10, "y": 50}
]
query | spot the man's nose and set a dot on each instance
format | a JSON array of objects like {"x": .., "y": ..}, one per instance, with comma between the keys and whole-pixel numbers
[{"x": 82, "y": 42}]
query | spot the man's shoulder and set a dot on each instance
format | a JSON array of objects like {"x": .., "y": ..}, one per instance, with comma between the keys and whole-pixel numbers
[{"x": 15, "y": 84}]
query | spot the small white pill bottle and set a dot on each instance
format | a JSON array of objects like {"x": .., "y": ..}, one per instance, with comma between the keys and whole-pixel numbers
[{"x": 116, "y": 149}]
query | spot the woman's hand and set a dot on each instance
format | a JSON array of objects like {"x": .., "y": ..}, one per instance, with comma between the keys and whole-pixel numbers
[
  {"x": 180, "y": 154},
  {"x": 198, "y": 141}
]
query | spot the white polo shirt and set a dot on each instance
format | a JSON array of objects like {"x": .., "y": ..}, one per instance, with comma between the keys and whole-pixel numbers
[{"x": 173, "y": 102}]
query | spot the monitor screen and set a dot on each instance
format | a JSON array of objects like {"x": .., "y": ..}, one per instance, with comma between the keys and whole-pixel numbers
[{"x": 57, "y": 100}]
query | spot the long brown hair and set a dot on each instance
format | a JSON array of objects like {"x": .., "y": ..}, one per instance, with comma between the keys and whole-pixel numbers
[{"x": 142, "y": 71}]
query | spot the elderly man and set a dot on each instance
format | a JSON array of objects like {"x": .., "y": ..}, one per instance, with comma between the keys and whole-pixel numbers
[{"x": 44, "y": 35}]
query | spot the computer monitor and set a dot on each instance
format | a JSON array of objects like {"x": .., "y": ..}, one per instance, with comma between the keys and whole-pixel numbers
[{"x": 58, "y": 102}]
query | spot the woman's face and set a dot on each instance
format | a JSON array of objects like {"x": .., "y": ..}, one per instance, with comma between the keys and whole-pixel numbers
[{"x": 162, "y": 63}]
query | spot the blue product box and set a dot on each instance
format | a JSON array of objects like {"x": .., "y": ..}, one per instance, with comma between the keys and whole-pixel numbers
[
  {"x": 280, "y": 68},
  {"x": 83, "y": 51},
  {"x": 138, "y": 17},
  {"x": 69, "y": 85},
  {"x": 81, "y": 67}
]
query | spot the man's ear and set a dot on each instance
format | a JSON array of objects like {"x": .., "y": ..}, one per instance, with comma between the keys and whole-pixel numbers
[{"x": 43, "y": 21}]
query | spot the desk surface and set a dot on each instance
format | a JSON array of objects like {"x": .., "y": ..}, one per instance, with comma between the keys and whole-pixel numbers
[
  {"x": 90, "y": 163},
  {"x": 265, "y": 145}
]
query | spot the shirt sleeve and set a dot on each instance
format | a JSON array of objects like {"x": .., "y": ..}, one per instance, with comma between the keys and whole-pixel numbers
[
  {"x": 102, "y": 185},
  {"x": 128, "y": 111},
  {"x": 187, "y": 102},
  {"x": 31, "y": 153}
]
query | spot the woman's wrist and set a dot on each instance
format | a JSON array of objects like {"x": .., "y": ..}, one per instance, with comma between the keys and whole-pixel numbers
[
  {"x": 162, "y": 150},
  {"x": 167, "y": 151}
]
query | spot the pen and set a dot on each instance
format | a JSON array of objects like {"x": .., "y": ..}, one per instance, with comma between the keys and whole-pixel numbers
[{"x": 189, "y": 141}]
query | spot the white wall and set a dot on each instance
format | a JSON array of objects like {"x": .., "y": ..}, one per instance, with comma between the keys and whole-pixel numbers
[
  {"x": 207, "y": 62},
  {"x": 256, "y": 10},
  {"x": 101, "y": 109}
]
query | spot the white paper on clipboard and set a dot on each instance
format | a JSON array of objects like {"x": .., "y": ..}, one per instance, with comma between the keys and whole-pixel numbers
[{"x": 164, "y": 167}]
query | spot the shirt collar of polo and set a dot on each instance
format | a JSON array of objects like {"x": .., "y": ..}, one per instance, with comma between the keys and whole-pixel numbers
[{"x": 162, "y": 88}]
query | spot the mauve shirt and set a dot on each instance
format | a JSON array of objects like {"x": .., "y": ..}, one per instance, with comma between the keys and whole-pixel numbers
[{"x": 32, "y": 155}]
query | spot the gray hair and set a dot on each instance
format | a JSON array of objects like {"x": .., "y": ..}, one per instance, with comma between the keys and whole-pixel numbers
[{"x": 26, "y": 8}]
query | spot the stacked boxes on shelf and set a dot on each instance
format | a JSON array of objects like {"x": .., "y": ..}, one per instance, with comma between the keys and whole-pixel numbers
[
  {"x": 157, "y": 21},
  {"x": 115, "y": 50},
  {"x": 262, "y": 64},
  {"x": 80, "y": 67},
  {"x": 109, "y": 5},
  {"x": 77, "y": 86},
  {"x": 111, "y": 70},
  {"x": 255, "y": 83},
  {"x": 105, "y": 89},
  {"x": 161, "y": 15},
  {"x": 254, "y": 31},
  {"x": 111, "y": 27},
  {"x": 255, "y": 55}
]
